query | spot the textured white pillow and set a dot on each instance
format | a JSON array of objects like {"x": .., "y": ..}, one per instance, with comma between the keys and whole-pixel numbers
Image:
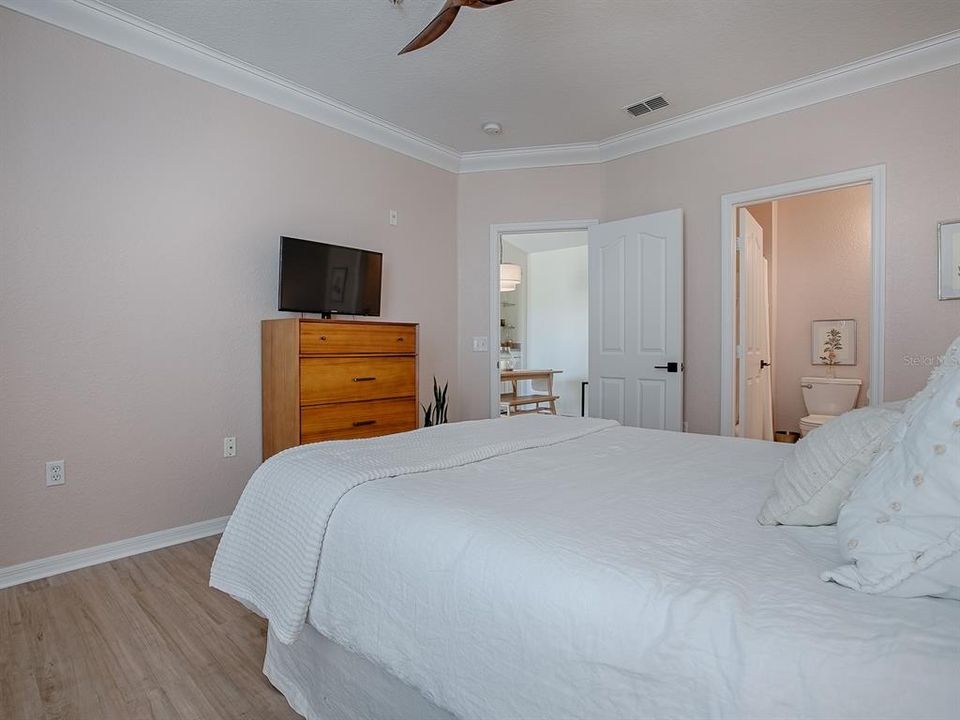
[
  {"x": 948, "y": 363},
  {"x": 813, "y": 481},
  {"x": 901, "y": 526}
]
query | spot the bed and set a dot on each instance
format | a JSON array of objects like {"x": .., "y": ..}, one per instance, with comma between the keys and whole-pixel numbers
[{"x": 544, "y": 567}]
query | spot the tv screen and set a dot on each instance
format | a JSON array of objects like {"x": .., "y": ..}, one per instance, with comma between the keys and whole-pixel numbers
[{"x": 320, "y": 278}]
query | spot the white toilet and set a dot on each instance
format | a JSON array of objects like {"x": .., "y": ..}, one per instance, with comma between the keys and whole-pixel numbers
[{"x": 826, "y": 398}]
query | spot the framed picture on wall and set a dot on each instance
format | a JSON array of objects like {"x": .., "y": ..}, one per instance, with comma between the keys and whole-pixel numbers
[
  {"x": 834, "y": 342},
  {"x": 948, "y": 246}
]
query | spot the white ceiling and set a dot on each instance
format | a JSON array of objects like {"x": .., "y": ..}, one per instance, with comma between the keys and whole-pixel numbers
[
  {"x": 545, "y": 241},
  {"x": 551, "y": 71}
]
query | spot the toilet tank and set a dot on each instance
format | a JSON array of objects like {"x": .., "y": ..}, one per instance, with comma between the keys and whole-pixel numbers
[{"x": 830, "y": 396}]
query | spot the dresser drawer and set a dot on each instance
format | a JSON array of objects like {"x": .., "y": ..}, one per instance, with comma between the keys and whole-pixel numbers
[
  {"x": 331, "y": 338},
  {"x": 328, "y": 380},
  {"x": 343, "y": 421}
]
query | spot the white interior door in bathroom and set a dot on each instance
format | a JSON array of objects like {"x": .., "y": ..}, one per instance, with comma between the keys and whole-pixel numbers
[{"x": 756, "y": 396}]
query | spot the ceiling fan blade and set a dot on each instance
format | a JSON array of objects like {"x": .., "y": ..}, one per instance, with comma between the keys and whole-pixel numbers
[{"x": 437, "y": 27}]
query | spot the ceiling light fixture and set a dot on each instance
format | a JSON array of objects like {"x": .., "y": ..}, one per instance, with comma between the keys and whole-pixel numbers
[{"x": 493, "y": 128}]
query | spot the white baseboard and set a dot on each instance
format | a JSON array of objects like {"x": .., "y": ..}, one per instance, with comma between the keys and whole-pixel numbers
[{"x": 56, "y": 564}]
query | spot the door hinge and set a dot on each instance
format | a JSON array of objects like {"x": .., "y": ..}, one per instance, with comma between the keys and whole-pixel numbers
[
  {"x": 739, "y": 352},
  {"x": 741, "y": 244}
]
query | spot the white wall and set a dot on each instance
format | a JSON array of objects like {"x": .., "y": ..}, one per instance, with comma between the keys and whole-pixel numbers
[{"x": 557, "y": 320}]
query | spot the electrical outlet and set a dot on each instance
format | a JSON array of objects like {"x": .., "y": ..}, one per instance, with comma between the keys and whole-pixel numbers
[
  {"x": 56, "y": 473},
  {"x": 481, "y": 344},
  {"x": 394, "y": 218},
  {"x": 229, "y": 447}
]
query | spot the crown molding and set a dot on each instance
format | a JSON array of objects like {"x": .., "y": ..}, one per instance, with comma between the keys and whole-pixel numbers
[
  {"x": 538, "y": 156},
  {"x": 899, "y": 64},
  {"x": 126, "y": 32},
  {"x": 121, "y": 30},
  {"x": 909, "y": 61}
]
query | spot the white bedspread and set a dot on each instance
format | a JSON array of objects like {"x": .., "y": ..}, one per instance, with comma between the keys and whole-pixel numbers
[
  {"x": 271, "y": 547},
  {"x": 621, "y": 575}
]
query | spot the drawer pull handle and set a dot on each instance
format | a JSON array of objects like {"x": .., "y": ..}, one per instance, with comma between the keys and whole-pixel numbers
[
  {"x": 361, "y": 423},
  {"x": 363, "y": 379},
  {"x": 399, "y": 339},
  {"x": 323, "y": 337}
]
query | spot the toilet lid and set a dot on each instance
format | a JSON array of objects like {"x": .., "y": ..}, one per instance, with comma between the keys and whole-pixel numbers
[{"x": 816, "y": 419}]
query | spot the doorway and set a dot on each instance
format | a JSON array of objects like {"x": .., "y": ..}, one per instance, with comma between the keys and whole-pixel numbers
[
  {"x": 803, "y": 306},
  {"x": 543, "y": 322}
]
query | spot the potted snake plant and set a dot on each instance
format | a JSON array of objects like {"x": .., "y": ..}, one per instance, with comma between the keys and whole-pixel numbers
[{"x": 436, "y": 412}]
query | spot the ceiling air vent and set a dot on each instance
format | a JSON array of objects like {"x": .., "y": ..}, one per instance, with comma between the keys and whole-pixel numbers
[{"x": 649, "y": 105}]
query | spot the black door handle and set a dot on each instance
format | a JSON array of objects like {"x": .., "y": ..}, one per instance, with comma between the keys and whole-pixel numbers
[
  {"x": 764, "y": 363},
  {"x": 669, "y": 367}
]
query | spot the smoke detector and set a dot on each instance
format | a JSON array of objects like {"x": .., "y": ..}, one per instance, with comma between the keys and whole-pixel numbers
[
  {"x": 493, "y": 128},
  {"x": 647, "y": 106}
]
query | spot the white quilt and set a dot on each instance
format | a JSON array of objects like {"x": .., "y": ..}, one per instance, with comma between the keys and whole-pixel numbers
[
  {"x": 271, "y": 547},
  {"x": 621, "y": 574}
]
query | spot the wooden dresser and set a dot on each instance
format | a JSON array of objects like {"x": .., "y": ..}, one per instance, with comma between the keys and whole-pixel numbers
[{"x": 336, "y": 380}]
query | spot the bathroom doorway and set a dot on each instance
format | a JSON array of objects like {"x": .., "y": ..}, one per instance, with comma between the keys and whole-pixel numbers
[{"x": 801, "y": 334}]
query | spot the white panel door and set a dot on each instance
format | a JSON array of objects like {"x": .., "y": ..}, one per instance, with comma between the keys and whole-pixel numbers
[
  {"x": 756, "y": 402},
  {"x": 636, "y": 320}
]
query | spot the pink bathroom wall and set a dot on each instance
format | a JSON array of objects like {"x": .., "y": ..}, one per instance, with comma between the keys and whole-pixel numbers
[{"x": 823, "y": 272}]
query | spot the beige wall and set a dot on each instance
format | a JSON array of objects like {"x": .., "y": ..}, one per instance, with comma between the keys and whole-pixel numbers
[
  {"x": 140, "y": 211},
  {"x": 921, "y": 150},
  {"x": 139, "y": 215},
  {"x": 823, "y": 270}
]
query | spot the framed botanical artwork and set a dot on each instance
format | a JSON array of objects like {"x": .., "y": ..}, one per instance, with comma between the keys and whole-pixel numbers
[
  {"x": 948, "y": 247},
  {"x": 834, "y": 342}
]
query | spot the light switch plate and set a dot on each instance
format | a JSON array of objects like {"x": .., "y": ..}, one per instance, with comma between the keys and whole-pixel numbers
[{"x": 481, "y": 344}]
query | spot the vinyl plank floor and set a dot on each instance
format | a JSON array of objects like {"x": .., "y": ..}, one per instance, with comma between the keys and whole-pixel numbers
[{"x": 140, "y": 638}]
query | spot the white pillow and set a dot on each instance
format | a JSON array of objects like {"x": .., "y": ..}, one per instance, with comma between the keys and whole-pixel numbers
[
  {"x": 901, "y": 526},
  {"x": 949, "y": 362},
  {"x": 813, "y": 481}
]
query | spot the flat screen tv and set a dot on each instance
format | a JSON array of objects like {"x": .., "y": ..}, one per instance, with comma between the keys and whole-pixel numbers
[{"x": 320, "y": 278}]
